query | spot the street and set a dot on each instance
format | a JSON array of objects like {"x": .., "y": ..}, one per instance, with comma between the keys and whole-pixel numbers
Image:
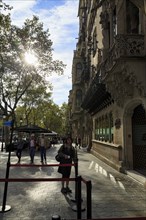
[{"x": 113, "y": 194}]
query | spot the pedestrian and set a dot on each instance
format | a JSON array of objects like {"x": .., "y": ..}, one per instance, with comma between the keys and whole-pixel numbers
[
  {"x": 20, "y": 145},
  {"x": 76, "y": 141},
  {"x": 32, "y": 146},
  {"x": 67, "y": 154},
  {"x": 43, "y": 143},
  {"x": 79, "y": 142}
]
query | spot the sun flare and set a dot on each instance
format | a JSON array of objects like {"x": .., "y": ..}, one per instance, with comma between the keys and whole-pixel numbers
[{"x": 30, "y": 58}]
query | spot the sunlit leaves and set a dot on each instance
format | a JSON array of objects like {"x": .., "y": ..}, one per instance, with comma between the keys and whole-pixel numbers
[{"x": 18, "y": 75}]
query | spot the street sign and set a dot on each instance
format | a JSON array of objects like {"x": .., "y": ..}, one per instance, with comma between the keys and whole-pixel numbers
[{"x": 8, "y": 123}]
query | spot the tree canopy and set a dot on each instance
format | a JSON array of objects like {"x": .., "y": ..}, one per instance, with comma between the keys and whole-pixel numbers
[
  {"x": 20, "y": 80},
  {"x": 25, "y": 90}
]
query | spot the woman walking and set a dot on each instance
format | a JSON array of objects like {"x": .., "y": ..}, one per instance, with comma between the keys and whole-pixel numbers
[{"x": 67, "y": 154}]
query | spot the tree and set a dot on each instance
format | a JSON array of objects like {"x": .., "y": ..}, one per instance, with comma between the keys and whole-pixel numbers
[
  {"x": 4, "y": 28},
  {"x": 46, "y": 114},
  {"x": 19, "y": 77},
  {"x": 35, "y": 104},
  {"x": 65, "y": 119}
]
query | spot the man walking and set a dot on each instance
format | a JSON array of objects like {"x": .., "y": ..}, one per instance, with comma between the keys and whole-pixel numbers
[
  {"x": 43, "y": 143},
  {"x": 19, "y": 149}
]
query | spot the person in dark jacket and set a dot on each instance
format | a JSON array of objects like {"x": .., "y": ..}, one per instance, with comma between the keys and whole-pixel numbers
[
  {"x": 20, "y": 146},
  {"x": 67, "y": 154}
]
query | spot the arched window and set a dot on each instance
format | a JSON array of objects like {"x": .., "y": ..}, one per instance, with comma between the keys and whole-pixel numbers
[
  {"x": 78, "y": 98},
  {"x": 132, "y": 18},
  {"x": 78, "y": 71}
]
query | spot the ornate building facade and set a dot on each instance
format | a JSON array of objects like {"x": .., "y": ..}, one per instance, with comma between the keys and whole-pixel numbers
[{"x": 108, "y": 97}]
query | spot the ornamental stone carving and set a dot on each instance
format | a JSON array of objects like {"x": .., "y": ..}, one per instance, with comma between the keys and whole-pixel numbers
[
  {"x": 129, "y": 45},
  {"x": 125, "y": 46},
  {"x": 121, "y": 85}
]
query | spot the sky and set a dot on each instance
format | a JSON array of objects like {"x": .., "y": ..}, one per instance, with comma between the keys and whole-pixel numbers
[{"x": 61, "y": 17}]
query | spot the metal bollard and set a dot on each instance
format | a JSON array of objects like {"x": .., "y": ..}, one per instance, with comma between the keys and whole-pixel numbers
[{"x": 56, "y": 217}]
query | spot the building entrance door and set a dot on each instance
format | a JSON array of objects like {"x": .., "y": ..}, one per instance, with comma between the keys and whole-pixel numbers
[{"x": 139, "y": 139}]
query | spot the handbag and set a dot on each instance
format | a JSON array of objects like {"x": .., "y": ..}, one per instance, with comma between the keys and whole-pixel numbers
[{"x": 58, "y": 158}]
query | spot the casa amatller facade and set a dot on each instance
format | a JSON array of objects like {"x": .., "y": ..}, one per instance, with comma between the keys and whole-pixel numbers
[{"x": 108, "y": 97}]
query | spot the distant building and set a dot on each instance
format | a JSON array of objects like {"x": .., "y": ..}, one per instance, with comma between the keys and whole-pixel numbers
[{"x": 108, "y": 97}]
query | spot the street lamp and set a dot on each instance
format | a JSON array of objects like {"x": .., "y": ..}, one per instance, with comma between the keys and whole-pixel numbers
[{"x": 2, "y": 147}]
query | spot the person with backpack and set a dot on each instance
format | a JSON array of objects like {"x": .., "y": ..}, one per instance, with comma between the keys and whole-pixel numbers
[{"x": 67, "y": 155}]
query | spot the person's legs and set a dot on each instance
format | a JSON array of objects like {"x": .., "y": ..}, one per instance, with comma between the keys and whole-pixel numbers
[
  {"x": 67, "y": 186},
  {"x": 18, "y": 154},
  {"x": 67, "y": 183},
  {"x": 41, "y": 151},
  {"x": 63, "y": 189},
  {"x": 32, "y": 153},
  {"x": 79, "y": 144},
  {"x": 45, "y": 155},
  {"x": 62, "y": 184},
  {"x": 68, "y": 172}
]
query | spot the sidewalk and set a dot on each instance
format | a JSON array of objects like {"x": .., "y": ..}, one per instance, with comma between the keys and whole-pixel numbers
[{"x": 113, "y": 194}]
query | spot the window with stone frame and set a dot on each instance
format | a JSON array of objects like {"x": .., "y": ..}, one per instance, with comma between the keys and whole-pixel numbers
[
  {"x": 94, "y": 42},
  {"x": 78, "y": 99},
  {"x": 132, "y": 18},
  {"x": 78, "y": 71},
  {"x": 111, "y": 126},
  {"x": 114, "y": 17},
  {"x": 104, "y": 128}
]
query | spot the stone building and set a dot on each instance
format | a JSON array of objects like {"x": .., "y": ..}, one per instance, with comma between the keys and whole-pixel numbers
[{"x": 108, "y": 97}]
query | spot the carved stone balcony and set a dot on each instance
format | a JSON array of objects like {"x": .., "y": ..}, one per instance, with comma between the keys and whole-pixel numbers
[
  {"x": 126, "y": 46},
  {"x": 102, "y": 90}
]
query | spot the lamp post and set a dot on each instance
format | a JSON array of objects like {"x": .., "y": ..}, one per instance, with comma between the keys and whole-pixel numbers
[{"x": 3, "y": 132}]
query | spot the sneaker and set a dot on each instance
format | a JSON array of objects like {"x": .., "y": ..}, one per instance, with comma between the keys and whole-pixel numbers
[
  {"x": 63, "y": 190},
  {"x": 68, "y": 189}
]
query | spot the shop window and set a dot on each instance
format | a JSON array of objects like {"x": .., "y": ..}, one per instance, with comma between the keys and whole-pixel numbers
[
  {"x": 111, "y": 125},
  {"x": 104, "y": 128}
]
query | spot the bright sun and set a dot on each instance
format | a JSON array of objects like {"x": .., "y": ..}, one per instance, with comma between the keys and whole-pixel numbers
[{"x": 30, "y": 58}]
